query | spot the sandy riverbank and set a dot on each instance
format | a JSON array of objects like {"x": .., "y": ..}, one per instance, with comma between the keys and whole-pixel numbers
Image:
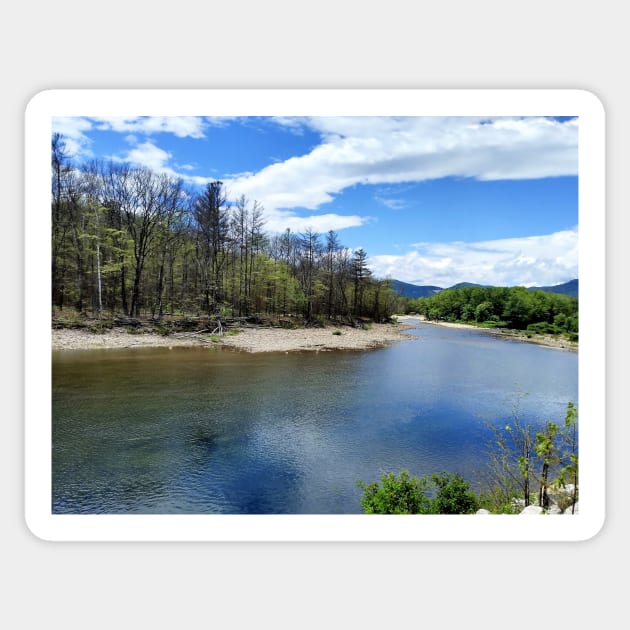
[
  {"x": 250, "y": 339},
  {"x": 551, "y": 341},
  {"x": 253, "y": 339}
]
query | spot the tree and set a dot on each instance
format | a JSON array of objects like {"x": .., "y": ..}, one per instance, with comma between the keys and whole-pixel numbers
[
  {"x": 569, "y": 472},
  {"x": 61, "y": 177},
  {"x": 396, "y": 495},
  {"x": 548, "y": 453},
  {"x": 332, "y": 248},
  {"x": 453, "y": 495},
  {"x": 310, "y": 249},
  {"x": 146, "y": 201},
  {"x": 524, "y": 462},
  {"x": 133, "y": 240},
  {"x": 510, "y": 458},
  {"x": 361, "y": 273},
  {"x": 212, "y": 222},
  {"x": 441, "y": 493}
]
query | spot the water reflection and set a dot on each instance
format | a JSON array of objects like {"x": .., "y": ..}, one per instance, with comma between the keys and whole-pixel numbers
[{"x": 193, "y": 431}]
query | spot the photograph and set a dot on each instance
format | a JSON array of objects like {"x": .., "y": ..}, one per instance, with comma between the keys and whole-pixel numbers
[{"x": 314, "y": 315}]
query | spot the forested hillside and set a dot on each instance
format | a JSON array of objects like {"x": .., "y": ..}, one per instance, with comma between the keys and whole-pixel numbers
[
  {"x": 509, "y": 307},
  {"x": 134, "y": 242}
]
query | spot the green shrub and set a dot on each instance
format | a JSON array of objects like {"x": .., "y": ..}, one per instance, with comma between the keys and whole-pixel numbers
[
  {"x": 453, "y": 495},
  {"x": 99, "y": 327},
  {"x": 441, "y": 493},
  {"x": 396, "y": 495},
  {"x": 493, "y": 323}
]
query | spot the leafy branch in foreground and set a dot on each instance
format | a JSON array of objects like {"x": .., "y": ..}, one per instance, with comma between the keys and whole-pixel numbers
[{"x": 525, "y": 464}]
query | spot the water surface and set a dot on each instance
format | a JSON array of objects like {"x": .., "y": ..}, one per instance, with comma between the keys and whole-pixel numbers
[{"x": 211, "y": 430}]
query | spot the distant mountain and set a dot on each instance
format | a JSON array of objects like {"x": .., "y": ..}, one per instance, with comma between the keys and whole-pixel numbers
[
  {"x": 461, "y": 285},
  {"x": 405, "y": 289},
  {"x": 570, "y": 288},
  {"x": 413, "y": 290}
]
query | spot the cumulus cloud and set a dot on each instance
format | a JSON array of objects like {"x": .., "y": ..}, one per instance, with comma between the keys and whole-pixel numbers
[
  {"x": 148, "y": 155},
  {"x": 532, "y": 261},
  {"x": 180, "y": 126},
  {"x": 355, "y": 150},
  {"x": 388, "y": 150},
  {"x": 75, "y": 129},
  {"x": 278, "y": 221}
]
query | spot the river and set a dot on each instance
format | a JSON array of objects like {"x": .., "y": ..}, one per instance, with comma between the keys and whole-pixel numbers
[{"x": 206, "y": 431}]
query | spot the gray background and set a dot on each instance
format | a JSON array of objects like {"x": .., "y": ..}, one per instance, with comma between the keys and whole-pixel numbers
[{"x": 326, "y": 44}]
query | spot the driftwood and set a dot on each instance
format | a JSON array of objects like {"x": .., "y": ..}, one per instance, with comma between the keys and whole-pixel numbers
[
  {"x": 127, "y": 321},
  {"x": 196, "y": 332}
]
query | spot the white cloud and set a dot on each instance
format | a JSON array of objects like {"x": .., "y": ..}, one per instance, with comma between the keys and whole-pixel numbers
[
  {"x": 532, "y": 261},
  {"x": 355, "y": 150},
  {"x": 383, "y": 150},
  {"x": 391, "y": 203},
  {"x": 279, "y": 221},
  {"x": 73, "y": 131},
  {"x": 181, "y": 126},
  {"x": 150, "y": 156}
]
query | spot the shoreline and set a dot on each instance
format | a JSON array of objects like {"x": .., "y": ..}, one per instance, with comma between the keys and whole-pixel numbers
[
  {"x": 266, "y": 339},
  {"x": 247, "y": 339},
  {"x": 549, "y": 341}
]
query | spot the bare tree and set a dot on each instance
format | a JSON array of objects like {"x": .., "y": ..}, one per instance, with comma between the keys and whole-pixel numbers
[{"x": 145, "y": 200}]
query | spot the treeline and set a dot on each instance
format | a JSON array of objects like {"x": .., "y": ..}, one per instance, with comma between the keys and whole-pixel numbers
[
  {"x": 509, "y": 307},
  {"x": 131, "y": 241}
]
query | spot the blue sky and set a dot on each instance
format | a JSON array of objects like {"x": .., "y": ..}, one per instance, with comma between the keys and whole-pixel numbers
[{"x": 433, "y": 201}]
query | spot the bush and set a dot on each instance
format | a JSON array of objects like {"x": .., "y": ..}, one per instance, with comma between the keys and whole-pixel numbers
[
  {"x": 453, "y": 495},
  {"x": 442, "y": 493},
  {"x": 494, "y": 323},
  {"x": 396, "y": 495},
  {"x": 544, "y": 328}
]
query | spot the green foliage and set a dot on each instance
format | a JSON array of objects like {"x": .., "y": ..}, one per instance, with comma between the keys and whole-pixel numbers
[
  {"x": 493, "y": 324},
  {"x": 442, "y": 493},
  {"x": 569, "y": 471},
  {"x": 99, "y": 327},
  {"x": 509, "y": 307},
  {"x": 192, "y": 253},
  {"x": 453, "y": 495},
  {"x": 525, "y": 462},
  {"x": 396, "y": 495},
  {"x": 495, "y": 501}
]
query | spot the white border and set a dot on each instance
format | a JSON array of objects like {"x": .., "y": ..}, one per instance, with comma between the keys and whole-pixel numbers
[{"x": 402, "y": 102}]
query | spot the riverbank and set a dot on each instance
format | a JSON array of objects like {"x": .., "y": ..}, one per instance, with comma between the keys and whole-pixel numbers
[
  {"x": 550, "y": 341},
  {"x": 248, "y": 339}
]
